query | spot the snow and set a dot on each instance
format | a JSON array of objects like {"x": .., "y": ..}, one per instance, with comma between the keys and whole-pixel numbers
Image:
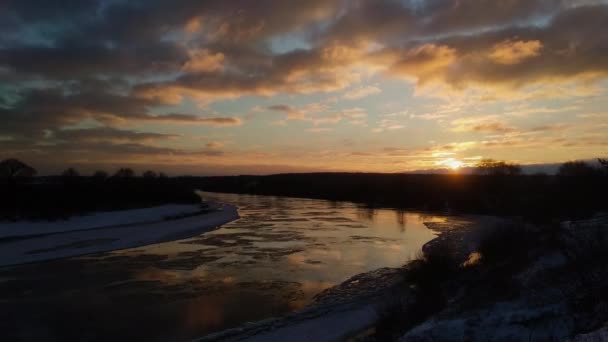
[
  {"x": 334, "y": 322},
  {"x": 74, "y": 241},
  {"x": 506, "y": 321},
  {"x": 332, "y": 327},
  {"x": 595, "y": 336},
  {"x": 95, "y": 220},
  {"x": 347, "y": 310},
  {"x": 352, "y": 307}
]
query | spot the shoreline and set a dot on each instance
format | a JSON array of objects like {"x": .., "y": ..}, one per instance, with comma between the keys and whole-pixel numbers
[
  {"x": 355, "y": 305},
  {"x": 93, "y": 220},
  {"x": 24, "y": 249}
]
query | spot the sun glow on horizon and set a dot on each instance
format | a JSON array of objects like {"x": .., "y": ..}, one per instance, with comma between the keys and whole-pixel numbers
[{"x": 451, "y": 163}]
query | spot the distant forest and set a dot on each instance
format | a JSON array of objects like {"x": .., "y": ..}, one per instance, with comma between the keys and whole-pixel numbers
[
  {"x": 25, "y": 196},
  {"x": 498, "y": 188}
]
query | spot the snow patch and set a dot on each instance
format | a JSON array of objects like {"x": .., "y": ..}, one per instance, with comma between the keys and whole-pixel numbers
[
  {"x": 79, "y": 242},
  {"x": 95, "y": 220}
]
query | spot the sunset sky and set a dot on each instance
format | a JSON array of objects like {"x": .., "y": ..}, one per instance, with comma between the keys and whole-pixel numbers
[{"x": 268, "y": 86}]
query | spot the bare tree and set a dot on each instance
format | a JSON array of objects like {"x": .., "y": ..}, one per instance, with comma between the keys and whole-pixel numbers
[
  {"x": 149, "y": 174},
  {"x": 100, "y": 174},
  {"x": 576, "y": 168},
  {"x": 491, "y": 167},
  {"x": 13, "y": 168},
  {"x": 603, "y": 165},
  {"x": 70, "y": 173},
  {"x": 125, "y": 173}
]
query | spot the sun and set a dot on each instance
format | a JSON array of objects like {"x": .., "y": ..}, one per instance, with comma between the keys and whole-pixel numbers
[
  {"x": 451, "y": 163},
  {"x": 454, "y": 164}
]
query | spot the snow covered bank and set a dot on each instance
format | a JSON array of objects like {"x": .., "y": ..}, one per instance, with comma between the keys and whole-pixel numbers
[
  {"x": 337, "y": 314},
  {"x": 95, "y": 220},
  {"x": 351, "y": 308},
  {"x": 550, "y": 289},
  {"x": 78, "y": 240}
]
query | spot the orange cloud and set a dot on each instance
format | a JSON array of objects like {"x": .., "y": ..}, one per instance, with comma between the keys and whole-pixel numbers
[
  {"x": 204, "y": 60},
  {"x": 426, "y": 62},
  {"x": 513, "y": 52},
  {"x": 192, "y": 119}
]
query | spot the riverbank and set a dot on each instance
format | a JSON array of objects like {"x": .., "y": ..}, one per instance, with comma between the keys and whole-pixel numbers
[
  {"x": 496, "y": 279},
  {"x": 26, "y": 242},
  {"x": 359, "y": 303},
  {"x": 269, "y": 263},
  {"x": 97, "y": 220},
  {"x": 529, "y": 283}
]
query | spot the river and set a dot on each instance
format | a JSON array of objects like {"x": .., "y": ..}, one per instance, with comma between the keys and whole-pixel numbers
[{"x": 270, "y": 262}]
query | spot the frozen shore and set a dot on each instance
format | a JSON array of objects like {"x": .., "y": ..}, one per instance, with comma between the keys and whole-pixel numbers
[
  {"x": 95, "y": 220},
  {"x": 26, "y": 242},
  {"x": 350, "y": 308}
]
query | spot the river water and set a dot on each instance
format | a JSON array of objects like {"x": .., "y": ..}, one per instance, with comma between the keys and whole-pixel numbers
[{"x": 270, "y": 262}]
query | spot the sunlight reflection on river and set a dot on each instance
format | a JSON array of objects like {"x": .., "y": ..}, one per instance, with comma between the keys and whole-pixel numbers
[{"x": 273, "y": 260}]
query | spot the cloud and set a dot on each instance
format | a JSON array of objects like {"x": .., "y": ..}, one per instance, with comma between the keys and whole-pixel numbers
[
  {"x": 361, "y": 92},
  {"x": 191, "y": 119},
  {"x": 228, "y": 55},
  {"x": 292, "y": 112},
  {"x": 204, "y": 61},
  {"x": 492, "y": 127},
  {"x": 214, "y": 144},
  {"x": 482, "y": 124},
  {"x": 319, "y": 113},
  {"x": 105, "y": 67},
  {"x": 354, "y": 113},
  {"x": 388, "y": 125},
  {"x": 104, "y": 134},
  {"x": 46, "y": 122},
  {"x": 319, "y": 130},
  {"x": 513, "y": 56},
  {"x": 513, "y": 52},
  {"x": 428, "y": 116},
  {"x": 426, "y": 62}
]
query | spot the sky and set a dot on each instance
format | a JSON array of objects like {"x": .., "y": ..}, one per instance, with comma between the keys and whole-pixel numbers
[{"x": 271, "y": 86}]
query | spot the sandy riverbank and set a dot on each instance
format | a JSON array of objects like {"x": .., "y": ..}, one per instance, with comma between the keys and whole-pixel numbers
[{"x": 113, "y": 231}]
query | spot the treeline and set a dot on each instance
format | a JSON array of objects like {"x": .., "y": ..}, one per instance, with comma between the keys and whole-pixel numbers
[
  {"x": 59, "y": 197},
  {"x": 497, "y": 188}
]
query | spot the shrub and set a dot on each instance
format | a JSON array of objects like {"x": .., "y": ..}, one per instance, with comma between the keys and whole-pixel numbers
[
  {"x": 506, "y": 243},
  {"x": 586, "y": 251}
]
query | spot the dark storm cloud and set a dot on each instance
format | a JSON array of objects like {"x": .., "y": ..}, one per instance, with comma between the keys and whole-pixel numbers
[
  {"x": 73, "y": 60},
  {"x": 43, "y": 10}
]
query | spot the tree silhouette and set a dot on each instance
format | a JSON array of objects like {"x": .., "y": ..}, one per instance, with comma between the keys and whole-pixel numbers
[
  {"x": 149, "y": 174},
  {"x": 125, "y": 173},
  {"x": 603, "y": 165},
  {"x": 13, "y": 168},
  {"x": 491, "y": 167},
  {"x": 70, "y": 173},
  {"x": 576, "y": 168},
  {"x": 100, "y": 175}
]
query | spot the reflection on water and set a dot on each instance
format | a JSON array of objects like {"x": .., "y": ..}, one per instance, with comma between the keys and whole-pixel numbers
[{"x": 272, "y": 261}]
